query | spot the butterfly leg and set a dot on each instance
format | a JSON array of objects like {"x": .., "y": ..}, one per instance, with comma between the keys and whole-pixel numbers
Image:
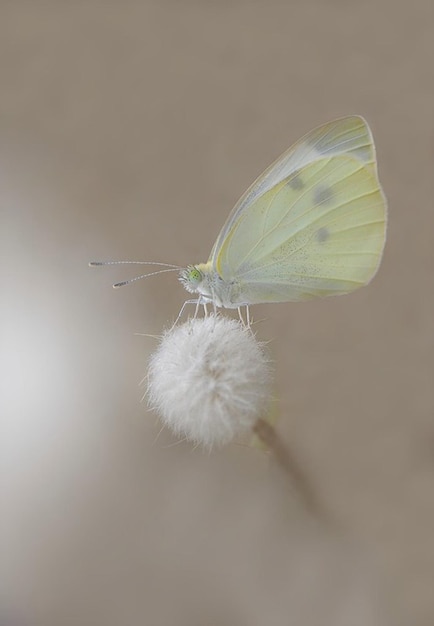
[
  {"x": 196, "y": 302},
  {"x": 240, "y": 315},
  {"x": 248, "y": 316},
  {"x": 246, "y": 322}
]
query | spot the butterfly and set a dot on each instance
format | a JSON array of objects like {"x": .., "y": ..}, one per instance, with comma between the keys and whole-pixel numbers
[{"x": 312, "y": 225}]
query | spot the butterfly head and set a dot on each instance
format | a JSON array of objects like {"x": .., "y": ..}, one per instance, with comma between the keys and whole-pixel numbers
[{"x": 192, "y": 277}]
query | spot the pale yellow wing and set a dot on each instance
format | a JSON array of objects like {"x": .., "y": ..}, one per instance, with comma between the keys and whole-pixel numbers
[
  {"x": 345, "y": 136},
  {"x": 318, "y": 232}
]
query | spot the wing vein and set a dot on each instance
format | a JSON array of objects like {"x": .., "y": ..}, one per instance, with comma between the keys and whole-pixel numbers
[
  {"x": 302, "y": 195},
  {"x": 301, "y": 230}
]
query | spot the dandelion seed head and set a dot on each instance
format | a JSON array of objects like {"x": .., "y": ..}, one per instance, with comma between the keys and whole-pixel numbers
[{"x": 209, "y": 380}]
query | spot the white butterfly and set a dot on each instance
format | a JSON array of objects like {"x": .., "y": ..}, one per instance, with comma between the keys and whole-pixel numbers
[{"x": 313, "y": 224}]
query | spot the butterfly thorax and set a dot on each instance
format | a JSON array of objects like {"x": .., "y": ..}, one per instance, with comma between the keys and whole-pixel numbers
[{"x": 204, "y": 280}]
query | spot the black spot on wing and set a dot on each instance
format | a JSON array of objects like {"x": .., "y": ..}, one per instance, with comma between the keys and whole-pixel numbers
[
  {"x": 322, "y": 194},
  {"x": 295, "y": 182},
  {"x": 322, "y": 235}
]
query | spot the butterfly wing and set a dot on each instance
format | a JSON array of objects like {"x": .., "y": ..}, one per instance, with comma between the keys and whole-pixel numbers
[
  {"x": 319, "y": 231},
  {"x": 348, "y": 135}
]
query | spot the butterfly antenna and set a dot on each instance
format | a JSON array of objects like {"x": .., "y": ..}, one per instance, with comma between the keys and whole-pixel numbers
[
  {"x": 133, "y": 280},
  {"x": 101, "y": 263}
]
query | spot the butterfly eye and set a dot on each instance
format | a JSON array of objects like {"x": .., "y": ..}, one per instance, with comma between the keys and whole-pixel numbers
[
  {"x": 191, "y": 277},
  {"x": 194, "y": 275}
]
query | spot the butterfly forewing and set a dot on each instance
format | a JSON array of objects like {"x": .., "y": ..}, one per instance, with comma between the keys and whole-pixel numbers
[{"x": 348, "y": 135}]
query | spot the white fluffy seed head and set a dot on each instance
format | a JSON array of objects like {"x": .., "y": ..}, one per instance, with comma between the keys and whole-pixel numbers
[{"x": 209, "y": 380}]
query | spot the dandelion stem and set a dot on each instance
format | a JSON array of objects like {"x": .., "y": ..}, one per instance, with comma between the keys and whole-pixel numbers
[{"x": 269, "y": 436}]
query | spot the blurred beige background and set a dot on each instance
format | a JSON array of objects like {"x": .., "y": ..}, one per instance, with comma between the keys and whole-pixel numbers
[{"x": 128, "y": 130}]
